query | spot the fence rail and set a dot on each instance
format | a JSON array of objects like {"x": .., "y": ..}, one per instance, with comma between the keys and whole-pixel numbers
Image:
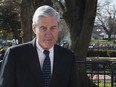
[{"x": 101, "y": 72}]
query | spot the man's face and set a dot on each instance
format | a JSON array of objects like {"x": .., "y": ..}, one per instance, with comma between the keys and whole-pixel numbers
[{"x": 46, "y": 31}]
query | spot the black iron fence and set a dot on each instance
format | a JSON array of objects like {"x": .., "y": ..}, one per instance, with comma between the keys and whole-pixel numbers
[{"x": 102, "y": 73}]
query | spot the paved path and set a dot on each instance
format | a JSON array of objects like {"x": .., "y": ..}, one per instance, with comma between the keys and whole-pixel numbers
[{"x": 101, "y": 77}]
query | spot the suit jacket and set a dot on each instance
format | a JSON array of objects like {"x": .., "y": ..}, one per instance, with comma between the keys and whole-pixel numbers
[{"x": 21, "y": 67}]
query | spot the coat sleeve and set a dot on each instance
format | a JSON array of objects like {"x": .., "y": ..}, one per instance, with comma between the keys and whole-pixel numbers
[{"x": 7, "y": 72}]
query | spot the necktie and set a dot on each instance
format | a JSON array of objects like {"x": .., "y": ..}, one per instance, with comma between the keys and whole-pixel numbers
[{"x": 46, "y": 69}]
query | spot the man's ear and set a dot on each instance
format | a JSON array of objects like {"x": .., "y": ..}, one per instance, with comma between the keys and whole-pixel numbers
[{"x": 33, "y": 28}]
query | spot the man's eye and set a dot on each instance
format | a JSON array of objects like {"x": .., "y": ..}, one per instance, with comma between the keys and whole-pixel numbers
[
  {"x": 53, "y": 28},
  {"x": 43, "y": 29}
]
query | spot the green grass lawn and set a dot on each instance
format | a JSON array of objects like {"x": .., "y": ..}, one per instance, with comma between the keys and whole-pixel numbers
[
  {"x": 103, "y": 42},
  {"x": 101, "y": 84}
]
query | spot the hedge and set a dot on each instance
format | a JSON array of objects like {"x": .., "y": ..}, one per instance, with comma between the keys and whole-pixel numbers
[{"x": 101, "y": 53}]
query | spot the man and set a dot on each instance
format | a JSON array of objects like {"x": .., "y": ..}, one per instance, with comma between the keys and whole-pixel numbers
[{"x": 24, "y": 65}]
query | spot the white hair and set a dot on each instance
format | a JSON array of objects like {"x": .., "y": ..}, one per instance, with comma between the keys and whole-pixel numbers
[{"x": 44, "y": 11}]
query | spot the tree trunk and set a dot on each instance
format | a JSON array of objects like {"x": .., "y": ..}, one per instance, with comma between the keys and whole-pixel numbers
[
  {"x": 37, "y": 3},
  {"x": 26, "y": 16},
  {"x": 80, "y": 17}
]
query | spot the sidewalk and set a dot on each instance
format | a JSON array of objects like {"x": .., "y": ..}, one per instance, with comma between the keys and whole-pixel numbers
[{"x": 101, "y": 78}]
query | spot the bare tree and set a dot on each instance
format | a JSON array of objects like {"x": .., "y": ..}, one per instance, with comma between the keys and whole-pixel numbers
[
  {"x": 106, "y": 17},
  {"x": 79, "y": 16}
]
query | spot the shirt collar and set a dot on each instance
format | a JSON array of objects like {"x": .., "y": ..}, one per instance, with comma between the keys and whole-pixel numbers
[{"x": 41, "y": 49}]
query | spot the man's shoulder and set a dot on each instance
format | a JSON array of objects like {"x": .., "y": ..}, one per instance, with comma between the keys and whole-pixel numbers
[
  {"x": 62, "y": 49},
  {"x": 22, "y": 46}
]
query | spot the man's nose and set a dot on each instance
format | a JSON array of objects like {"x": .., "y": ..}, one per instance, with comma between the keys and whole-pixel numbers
[{"x": 48, "y": 32}]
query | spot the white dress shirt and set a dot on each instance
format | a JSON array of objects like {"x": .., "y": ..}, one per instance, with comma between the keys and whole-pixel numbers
[{"x": 41, "y": 55}]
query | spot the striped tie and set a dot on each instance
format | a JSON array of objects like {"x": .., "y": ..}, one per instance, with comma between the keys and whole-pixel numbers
[{"x": 46, "y": 69}]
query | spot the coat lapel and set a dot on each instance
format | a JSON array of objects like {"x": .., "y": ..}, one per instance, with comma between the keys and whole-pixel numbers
[
  {"x": 34, "y": 65},
  {"x": 56, "y": 66}
]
